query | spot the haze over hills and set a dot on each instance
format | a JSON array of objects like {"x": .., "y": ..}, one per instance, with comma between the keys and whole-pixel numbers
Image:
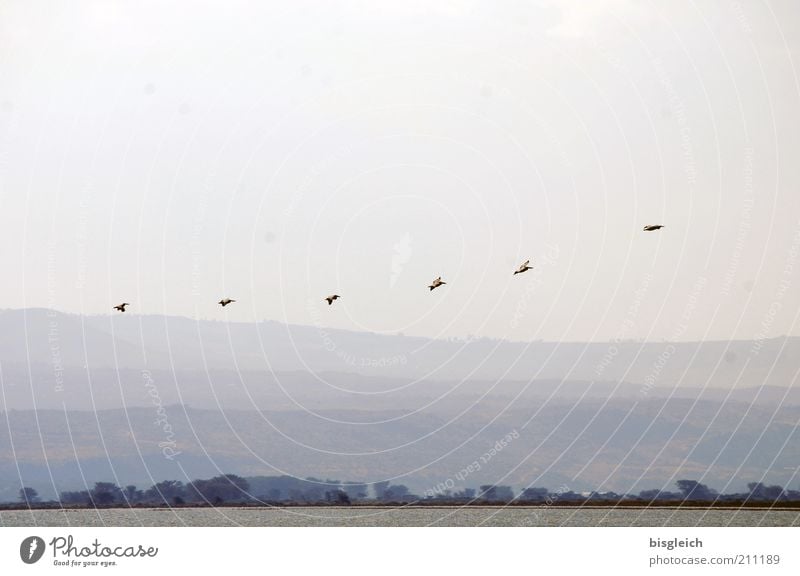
[
  {"x": 269, "y": 398},
  {"x": 68, "y": 346},
  {"x": 585, "y": 445}
]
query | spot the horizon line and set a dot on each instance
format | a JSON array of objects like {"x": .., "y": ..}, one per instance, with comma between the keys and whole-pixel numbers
[{"x": 468, "y": 338}]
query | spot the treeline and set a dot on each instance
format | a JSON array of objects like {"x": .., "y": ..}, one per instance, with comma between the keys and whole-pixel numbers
[
  {"x": 233, "y": 489},
  {"x": 688, "y": 490},
  {"x": 229, "y": 489}
]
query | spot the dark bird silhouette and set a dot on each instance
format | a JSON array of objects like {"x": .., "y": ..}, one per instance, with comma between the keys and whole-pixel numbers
[
  {"x": 436, "y": 283},
  {"x": 121, "y": 307},
  {"x": 225, "y": 301},
  {"x": 651, "y": 227},
  {"x": 523, "y": 268},
  {"x": 330, "y": 299}
]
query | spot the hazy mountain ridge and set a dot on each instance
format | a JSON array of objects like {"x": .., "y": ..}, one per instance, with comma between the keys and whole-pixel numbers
[
  {"x": 105, "y": 388},
  {"x": 47, "y": 350}
]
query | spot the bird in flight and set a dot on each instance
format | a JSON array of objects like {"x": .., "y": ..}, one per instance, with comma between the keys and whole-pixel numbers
[
  {"x": 121, "y": 307},
  {"x": 523, "y": 268},
  {"x": 651, "y": 227},
  {"x": 225, "y": 301},
  {"x": 436, "y": 283},
  {"x": 331, "y": 298}
]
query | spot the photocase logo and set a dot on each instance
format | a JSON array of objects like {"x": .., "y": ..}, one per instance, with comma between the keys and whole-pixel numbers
[{"x": 31, "y": 549}]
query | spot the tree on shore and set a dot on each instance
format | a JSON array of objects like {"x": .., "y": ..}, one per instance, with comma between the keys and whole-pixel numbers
[
  {"x": 337, "y": 497},
  {"x": 693, "y": 490},
  {"x": 225, "y": 488},
  {"x": 494, "y": 493},
  {"x": 105, "y": 493},
  {"x": 76, "y": 497},
  {"x": 131, "y": 494},
  {"x": 396, "y": 492},
  {"x": 759, "y": 491},
  {"x": 380, "y": 489},
  {"x": 355, "y": 490},
  {"x": 166, "y": 492},
  {"x": 535, "y": 494},
  {"x": 28, "y": 495}
]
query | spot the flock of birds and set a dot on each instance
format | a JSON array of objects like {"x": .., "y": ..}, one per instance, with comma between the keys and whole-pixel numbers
[{"x": 524, "y": 267}]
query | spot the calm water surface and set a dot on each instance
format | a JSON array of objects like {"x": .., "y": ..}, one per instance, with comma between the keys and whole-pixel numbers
[{"x": 364, "y": 516}]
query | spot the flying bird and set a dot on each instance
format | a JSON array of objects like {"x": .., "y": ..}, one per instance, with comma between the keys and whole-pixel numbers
[
  {"x": 225, "y": 301},
  {"x": 523, "y": 268},
  {"x": 330, "y": 299},
  {"x": 121, "y": 307},
  {"x": 436, "y": 283},
  {"x": 651, "y": 227}
]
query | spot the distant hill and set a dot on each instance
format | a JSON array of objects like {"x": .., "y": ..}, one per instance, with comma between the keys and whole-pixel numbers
[
  {"x": 86, "y": 397},
  {"x": 49, "y": 359}
]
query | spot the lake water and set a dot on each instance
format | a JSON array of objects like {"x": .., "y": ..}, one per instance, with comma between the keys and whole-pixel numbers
[{"x": 366, "y": 516}]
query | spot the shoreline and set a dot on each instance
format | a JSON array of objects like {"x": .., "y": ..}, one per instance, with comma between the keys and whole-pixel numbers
[{"x": 625, "y": 505}]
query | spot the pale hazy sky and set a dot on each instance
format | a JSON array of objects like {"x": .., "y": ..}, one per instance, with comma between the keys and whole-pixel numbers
[{"x": 171, "y": 153}]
